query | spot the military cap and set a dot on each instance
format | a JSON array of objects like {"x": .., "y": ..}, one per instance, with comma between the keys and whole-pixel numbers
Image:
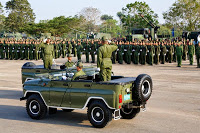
[
  {"x": 79, "y": 64},
  {"x": 104, "y": 38},
  {"x": 69, "y": 55}
]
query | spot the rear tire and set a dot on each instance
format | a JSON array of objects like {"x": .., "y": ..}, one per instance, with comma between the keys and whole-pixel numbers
[
  {"x": 129, "y": 113},
  {"x": 35, "y": 107},
  {"x": 99, "y": 114}
]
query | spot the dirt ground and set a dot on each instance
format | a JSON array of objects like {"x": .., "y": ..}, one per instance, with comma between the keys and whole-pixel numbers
[{"x": 174, "y": 106}]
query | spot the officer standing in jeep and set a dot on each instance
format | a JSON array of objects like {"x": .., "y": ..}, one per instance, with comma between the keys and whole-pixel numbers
[
  {"x": 104, "y": 62},
  {"x": 48, "y": 54}
]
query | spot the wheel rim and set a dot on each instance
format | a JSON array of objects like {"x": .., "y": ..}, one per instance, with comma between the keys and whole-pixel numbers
[
  {"x": 127, "y": 111},
  {"x": 97, "y": 114},
  {"x": 34, "y": 107},
  {"x": 146, "y": 88}
]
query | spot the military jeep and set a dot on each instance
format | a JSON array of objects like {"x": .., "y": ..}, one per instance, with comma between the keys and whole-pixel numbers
[{"x": 120, "y": 97}]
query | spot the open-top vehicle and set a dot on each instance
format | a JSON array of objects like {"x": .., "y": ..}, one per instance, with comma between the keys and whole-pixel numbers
[{"x": 49, "y": 90}]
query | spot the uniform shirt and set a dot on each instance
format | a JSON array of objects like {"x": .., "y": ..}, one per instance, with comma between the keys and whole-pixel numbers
[
  {"x": 69, "y": 64},
  {"x": 78, "y": 74},
  {"x": 104, "y": 56}
]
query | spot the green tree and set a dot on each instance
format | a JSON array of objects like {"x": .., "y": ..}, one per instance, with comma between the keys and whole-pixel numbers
[
  {"x": 184, "y": 14},
  {"x": 57, "y": 26},
  {"x": 20, "y": 14},
  {"x": 130, "y": 16},
  {"x": 106, "y": 17},
  {"x": 110, "y": 26},
  {"x": 2, "y": 17}
]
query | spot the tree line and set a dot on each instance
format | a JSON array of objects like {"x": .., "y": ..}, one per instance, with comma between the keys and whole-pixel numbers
[{"x": 182, "y": 15}]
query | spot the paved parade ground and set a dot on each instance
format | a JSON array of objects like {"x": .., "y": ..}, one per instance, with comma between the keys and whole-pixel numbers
[{"x": 174, "y": 106}]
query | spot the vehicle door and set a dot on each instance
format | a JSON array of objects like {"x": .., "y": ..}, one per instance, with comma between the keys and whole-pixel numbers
[
  {"x": 59, "y": 91},
  {"x": 78, "y": 93}
]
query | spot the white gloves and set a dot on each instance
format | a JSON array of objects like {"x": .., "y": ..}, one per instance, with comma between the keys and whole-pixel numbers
[{"x": 98, "y": 69}]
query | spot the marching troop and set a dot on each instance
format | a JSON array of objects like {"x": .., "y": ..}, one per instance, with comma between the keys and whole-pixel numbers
[{"x": 129, "y": 52}]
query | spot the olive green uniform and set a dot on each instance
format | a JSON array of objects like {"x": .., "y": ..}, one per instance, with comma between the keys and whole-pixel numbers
[
  {"x": 93, "y": 52},
  {"x": 104, "y": 61},
  {"x": 157, "y": 54},
  {"x": 198, "y": 56},
  {"x": 179, "y": 54},
  {"x": 136, "y": 54},
  {"x": 191, "y": 51},
  {"x": 185, "y": 50},
  {"x": 27, "y": 51},
  {"x": 151, "y": 52},
  {"x": 69, "y": 64},
  {"x": 63, "y": 46},
  {"x": 56, "y": 48},
  {"x": 79, "y": 51},
  {"x": 78, "y": 74},
  {"x": 22, "y": 51},
  {"x": 128, "y": 53},
  {"x": 170, "y": 55},
  {"x": 143, "y": 53},
  {"x": 48, "y": 53},
  {"x": 31, "y": 51},
  {"x": 120, "y": 54},
  {"x": 163, "y": 51},
  {"x": 74, "y": 48},
  {"x": 69, "y": 48},
  {"x": 15, "y": 51},
  {"x": 7, "y": 50},
  {"x": 174, "y": 55},
  {"x": 87, "y": 52},
  {"x": 37, "y": 48},
  {"x": 1, "y": 50},
  {"x": 11, "y": 51}
]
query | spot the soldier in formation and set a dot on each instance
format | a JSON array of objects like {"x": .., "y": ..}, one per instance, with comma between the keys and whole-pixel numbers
[{"x": 129, "y": 52}]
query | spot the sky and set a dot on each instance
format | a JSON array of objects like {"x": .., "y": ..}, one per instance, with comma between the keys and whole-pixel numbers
[{"x": 48, "y": 9}]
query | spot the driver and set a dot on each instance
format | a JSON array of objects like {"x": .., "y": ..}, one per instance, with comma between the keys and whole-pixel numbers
[
  {"x": 69, "y": 63},
  {"x": 79, "y": 72}
]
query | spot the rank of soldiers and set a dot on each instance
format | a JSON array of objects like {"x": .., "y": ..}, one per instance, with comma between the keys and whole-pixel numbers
[{"x": 136, "y": 52}]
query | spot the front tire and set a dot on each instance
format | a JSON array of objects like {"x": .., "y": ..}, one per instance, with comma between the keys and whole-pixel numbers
[
  {"x": 129, "y": 113},
  {"x": 99, "y": 114},
  {"x": 35, "y": 107}
]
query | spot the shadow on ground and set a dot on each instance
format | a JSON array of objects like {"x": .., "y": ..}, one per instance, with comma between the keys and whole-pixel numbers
[
  {"x": 19, "y": 113},
  {"x": 10, "y": 94}
]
